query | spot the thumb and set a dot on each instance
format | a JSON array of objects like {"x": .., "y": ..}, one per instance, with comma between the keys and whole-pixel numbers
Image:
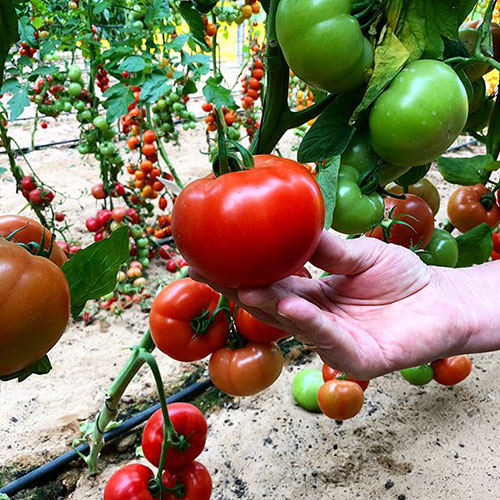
[{"x": 346, "y": 257}]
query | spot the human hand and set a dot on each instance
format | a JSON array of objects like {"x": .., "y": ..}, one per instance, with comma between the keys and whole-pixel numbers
[{"x": 381, "y": 310}]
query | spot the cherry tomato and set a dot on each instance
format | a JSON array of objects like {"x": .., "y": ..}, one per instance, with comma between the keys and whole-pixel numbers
[
  {"x": 418, "y": 375},
  {"x": 247, "y": 370},
  {"x": 340, "y": 399},
  {"x": 149, "y": 137},
  {"x": 98, "y": 191},
  {"x": 253, "y": 329},
  {"x": 333, "y": 374},
  {"x": 305, "y": 387},
  {"x": 188, "y": 422},
  {"x": 452, "y": 370},
  {"x": 118, "y": 213}
]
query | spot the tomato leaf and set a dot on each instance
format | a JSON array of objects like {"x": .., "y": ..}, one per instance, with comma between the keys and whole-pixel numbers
[
  {"x": 194, "y": 21},
  {"x": 464, "y": 171},
  {"x": 215, "y": 93},
  {"x": 133, "y": 64},
  {"x": 41, "y": 367},
  {"x": 327, "y": 178},
  {"x": 17, "y": 103},
  {"x": 8, "y": 25},
  {"x": 413, "y": 175},
  {"x": 474, "y": 246},
  {"x": 330, "y": 133},
  {"x": 118, "y": 97},
  {"x": 91, "y": 272},
  {"x": 154, "y": 87},
  {"x": 390, "y": 56}
]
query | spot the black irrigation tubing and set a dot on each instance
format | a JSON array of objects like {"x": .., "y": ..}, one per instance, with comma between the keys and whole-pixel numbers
[{"x": 54, "y": 467}]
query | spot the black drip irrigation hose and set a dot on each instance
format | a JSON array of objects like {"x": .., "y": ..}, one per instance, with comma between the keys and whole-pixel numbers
[{"x": 54, "y": 467}]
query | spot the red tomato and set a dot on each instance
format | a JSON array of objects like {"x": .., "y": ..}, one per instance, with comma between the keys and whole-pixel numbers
[
  {"x": 149, "y": 149},
  {"x": 98, "y": 191},
  {"x": 253, "y": 83},
  {"x": 28, "y": 183},
  {"x": 129, "y": 483},
  {"x": 195, "y": 479},
  {"x": 190, "y": 425},
  {"x": 247, "y": 370},
  {"x": 149, "y": 137},
  {"x": 452, "y": 370},
  {"x": 247, "y": 102},
  {"x": 207, "y": 107},
  {"x": 270, "y": 220},
  {"x": 340, "y": 399},
  {"x": 253, "y": 329},
  {"x": 332, "y": 374},
  {"x": 133, "y": 142},
  {"x": 118, "y": 213},
  {"x": 258, "y": 73},
  {"x": 173, "y": 317},
  {"x": 421, "y": 220}
]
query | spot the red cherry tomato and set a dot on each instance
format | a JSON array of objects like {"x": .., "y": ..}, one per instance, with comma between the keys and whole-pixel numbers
[
  {"x": 98, "y": 191},
  {"x": 340, "y": 399},
  {"x": 452, "y": 370}
]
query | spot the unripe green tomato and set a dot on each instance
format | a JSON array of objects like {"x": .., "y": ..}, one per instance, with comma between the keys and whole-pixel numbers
[
  {"x": 168, "y": 100},
  {"x": 177, "y": 106},
  {"x": 175, "y": 97},
  {"x": 157, "y": 121},
  {"x": 138, "y": 25},
  {"x": 83, "y": 148},
  {"x": 192, "y": 116},
  {"x": 142, "y": 243},
  {"x": 79, "y": 105},
  {"x": 100, "y": 122},
  {"x": 58, "y": 106},
  {"x": 38, "y": 99},
  {"x": 144, "y": 261},
  {"x": 442, "y": 250},
  {"x": 478, "y": 96},
  {"x": 107, "y": 148},
  {"x": 115, "y": 225},
  {"x": 75, "y": 89},
  {"x": 84, "y": 116},
  {"x": 167, "y": 127},
  {"x": 67, "y": 107},
  {"x": 165, "y": 116},
  {"x": 136, "y": 231},
  {"x": 162, "y": 104},
  {"x": 418, "y": 375},
  {"x": 183, "y": 113},
  {"x": 91, "y": 135},
  {"x": 108, "y": 133},
  {"x": 74, "y": 73},
  {"x": 305, "y": 387},
  {"x": 108, "y": 296},
  {"x": 192, "y": 126},
  {"x": 185, "y": 126},
  {"x": 142, "y": 252}
]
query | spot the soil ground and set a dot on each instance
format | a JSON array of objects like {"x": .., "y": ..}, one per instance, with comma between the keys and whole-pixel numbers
[{"x": 407, "y": 443}]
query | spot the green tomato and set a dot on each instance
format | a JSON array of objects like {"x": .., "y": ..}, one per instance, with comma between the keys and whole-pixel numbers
[
  {"x": 142, "y": 252},
  {"x": 115, "y": 225},
  {"x": 142, "y": 242},
  {"x": 442, "y": 250},
  {"x": 305, "y": 387},
  {"x": 323, "y": 44},
  {"x": 354, "y": 211},
  {"x": 138, "y": 25},
  {"x": 100, "y": 122},
  {"x": 91, "y": 135},
  {"x": 108, "y": 133},
  {"x": 418, "y": 375},
  {"x": 192, "y": 126},
  {"x": 84, "y": 116},
  {"x": 177, "y": 107},
  {"x": 75, "y": 89},
  {"x": 107, "y": 148},
  {"x": 136, "y": 231},
  {"x": 67, "y": 107},
  {"x": 162, "y": 104},
  {"x": 79, "y": 105},
  {"x": 420, "y": 115},
  {"x": 83, "y": 148},
  {"x": 144, "y": 261},
  {"x": 74, "y": 73},
  {"x": 167, "y": 127},
  {"x": 108, "y": 296}
]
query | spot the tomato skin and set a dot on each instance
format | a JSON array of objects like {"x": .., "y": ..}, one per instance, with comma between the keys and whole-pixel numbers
[
  {"x": 270, "y": 222},
  {"x": 443, "y": 250},
  {"x": 333, "y": 374},
  {"x": 466, "y": 211},
  {"x": 421, "y": 220},
  {"x": 253, "y": 329},
  {"x": 325, "y": 48},
  {"x": 247, "y": 370},
  {"x": 426, "y": 102},
  {"x": 418, "y": 375},
  {"x": 195, "y": 478},
  {"x": 129, "y": 483},
  {"x": 340, "y": 399},
  {"x": 424, "y": 189},
  {"x": 187, "y": 421},
  {"x": 33, "y": 232},
  {"x": 172, "y": 311},
  {"x": 452, "y": 370},
  {"x": 35, "y": 307}
]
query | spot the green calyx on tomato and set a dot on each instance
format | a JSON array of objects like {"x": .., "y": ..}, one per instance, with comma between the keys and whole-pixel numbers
[
  {"x": 355, "y": 212},
  {"x": 323, "y": 44},
  {"x": 418, "y": 375},
  {"x": 305, "y": 387},
  {"x": 442, "y": 250},
  {"x": 420, "y": 115}
]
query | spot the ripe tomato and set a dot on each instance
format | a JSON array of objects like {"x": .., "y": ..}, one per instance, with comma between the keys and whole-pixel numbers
[
  {"x": 469, "y": 206},
  {"x": 196, "y": 481},
  {"x": 34, "y": 306},
  {"x": 149, "y": 137},
  {"x": 32, "y": 232},
  {"x": 173, "y": 318},
  {"x": 247, "y": 102},
  {"x": 258, "y": 73},
  {"x": 133, "y": 142},
  {"x": 98, "y": 191},
  {"x": 118, "y": 213},
  {"x": 247, "y": 370},
  {"x": 188, "y": 422},
  {"x": 129, "y": 483},
  {"x": 452, "y": 370},
  {"x": 149, "y": 149},
  {"x": 253, "y": 329},
  {"x": 207, "y": 107},
  {"x": 270, "y": 220},
  {"x": 333, "y": 374},
  {"x": 340, "y": 399},
  {"x": 414, "y": 212}
]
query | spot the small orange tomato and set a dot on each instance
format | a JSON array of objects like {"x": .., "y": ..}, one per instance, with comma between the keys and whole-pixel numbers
[{"x": 340, "y": 399}]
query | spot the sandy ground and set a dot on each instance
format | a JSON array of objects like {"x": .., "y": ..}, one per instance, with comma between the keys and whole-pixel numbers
[{"x": 407, "y": 443}]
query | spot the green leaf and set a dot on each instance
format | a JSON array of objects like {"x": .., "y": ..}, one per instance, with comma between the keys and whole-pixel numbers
[
  {"x": 328, "y": 179},
  {"x": 11, "y": 85},
  {"x": 154, "y": 87},
  {"x": 8, "y": 27},
  {"x": 413, "y": 175},
  {"x": 41, "y": 367},
  {"x": 330, "y": 134},
  {"x": 118, "y": 97},
  {"x": 91, "y": 272},
  {"x": 133, "y": 64},
  {"x": 474, "y": 246},
  {"x": 215, "y": 93},
  {"x": 26, "y": 31},
  {"x": 189, "y": 88},
  {"x": 177, "y": 43},
  {"x": 464, "y": 171},
  {"x": 17, "y": 103},
  {"x": 194, "y": 21},
  {"x": 390, "y": 57}
]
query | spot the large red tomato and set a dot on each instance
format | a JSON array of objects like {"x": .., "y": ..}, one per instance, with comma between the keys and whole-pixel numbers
[
  {"x": 31, "y": 232},
  {"x": 417, "y": 218},
  {"x": 195, "y": 479},
  {"x": 129, "y": 483},
  {"x": 253, "y": 329},
  {"x": 34, "y": 307},
  {"x": 188, "y": 422},
  {"x": 173, "y": 320},
  {"x": 253, "y": 227}
]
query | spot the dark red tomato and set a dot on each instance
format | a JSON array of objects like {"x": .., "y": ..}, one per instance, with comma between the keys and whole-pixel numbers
[
  {"x": 414, "y": 212},
  {"x": 172, "y": 320},
  {"x": 196, "y": 481},
  {"x": 129, "y": 483},
  {"x": 188, "y": 422},
  {"x": 32, "y": 231},
  {"x": 333, "y": 374},
  {"x": 269, "y": 222},
  {"x": 452, "y": 370},
  {"x": 253, "y": 329}
]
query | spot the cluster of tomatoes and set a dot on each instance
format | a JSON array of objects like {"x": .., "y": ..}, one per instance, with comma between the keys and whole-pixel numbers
[
  {"x": 69, "y": 250},
  {"x": 26, "y": 50},
  {"x": 106, "y": 221},
  {"x": 446, "y": 371},
  {"x": 174, "y": 262},
  {"x": 249, "y": 8},
  {"x": 250, "y": 89},
  {"x": 35, "y": 194},
  {"x": 210, "y": 30},
  {"x": 102, "y": 77},
  {"x": 182, "y": 475},
  {"x": 50, "y": 95},
  {"x": 230, "y": 118}
]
